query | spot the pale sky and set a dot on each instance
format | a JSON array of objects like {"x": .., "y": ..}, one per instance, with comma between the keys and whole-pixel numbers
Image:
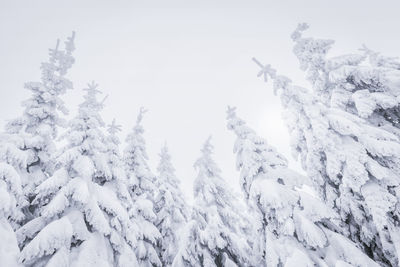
[{"x": 184, "y": 61}]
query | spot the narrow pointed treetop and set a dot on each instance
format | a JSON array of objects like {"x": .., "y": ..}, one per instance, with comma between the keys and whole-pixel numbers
[
  {"x": 135, "y": 156},
  {"x": 171, "y": 209},
  {"x": 205, "y": 164},
  {"x": 165, "y": 167},
  {"x": 141, "y": 184},
  {"x": 40, "y": 114},
  {"x": 217, "y": 230},
  {"x": 114, "y": 128}
]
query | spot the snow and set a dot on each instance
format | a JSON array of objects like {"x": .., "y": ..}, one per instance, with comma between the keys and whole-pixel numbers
[
  {"x": 9, "y": 250},
  {"x": 345, "y": 130},
  {"x": 171, "y": 209},
  {"x": 143, "y": 191},
  {"x": 86, "y": 204},
  {"x": 52, "y": 237},
  {"x": 216, "y": 225}
]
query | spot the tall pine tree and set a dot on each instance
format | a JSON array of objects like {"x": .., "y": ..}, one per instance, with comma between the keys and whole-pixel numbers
[
  {"x": 215, "y": 235},
  {"x": 27, "y": 147},
  {"x": 346, "y": 131},
  {"x": 37, "y": 128},
  {"x": 171, "y": 209},
  {"x": 141, "y": 184},
  {"x": 82, "y": 221}
]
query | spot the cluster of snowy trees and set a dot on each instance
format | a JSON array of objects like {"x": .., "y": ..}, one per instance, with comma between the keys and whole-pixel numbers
[{"x": 72, "y": 194}]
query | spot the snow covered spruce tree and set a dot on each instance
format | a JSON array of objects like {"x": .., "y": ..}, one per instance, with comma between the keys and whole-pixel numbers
[
  {"x": 27, "y": 146},
  {"x": 35, "y": 131},
  {"x": 82, "y": 221},
  {"x": 346, "y": 130},
  {"x": 141, "y": 184},
  {"x": 216, "y": 235},
  {"x": 293, "y": 227},
  {"x": 117, "y": 168},
  {"x": 171, "y": 209}
]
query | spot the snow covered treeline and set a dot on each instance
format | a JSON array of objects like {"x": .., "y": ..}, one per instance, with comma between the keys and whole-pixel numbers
[{"x": 73, "y": 194}]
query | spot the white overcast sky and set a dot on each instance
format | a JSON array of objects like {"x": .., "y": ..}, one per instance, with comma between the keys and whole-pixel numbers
[{"x": 185, "y": 61}]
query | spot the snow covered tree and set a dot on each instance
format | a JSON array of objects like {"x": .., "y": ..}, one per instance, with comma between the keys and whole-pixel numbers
[
  {"x": 293, "y": 227},
  {"x": 215, "y": 235},
  {"x": 82, "y": 221},
  {"x": 120, "y": 181},
  {"x": 141, "y": 184},
  {"x": 27, "y": 147},
  {"x": 35, "y": 131},
  {"x": 171, "y": 209},
  {"x": 346, "y": 130}
]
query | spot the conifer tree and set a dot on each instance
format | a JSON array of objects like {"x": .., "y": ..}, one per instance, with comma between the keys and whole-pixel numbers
[
  {"x": 141, "y": 185},
  {"x": 35, "y": 131},
  {"x": 27, "y": 147},
  {"x": 171, "y": 209},
  {"x": 82, "y": 221},
  {"x": 120, "y": 181},
  {"x": 294, "y": 228},
  {"x": 347, "y": 134},
  {"x": 215, "y": 234}
]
